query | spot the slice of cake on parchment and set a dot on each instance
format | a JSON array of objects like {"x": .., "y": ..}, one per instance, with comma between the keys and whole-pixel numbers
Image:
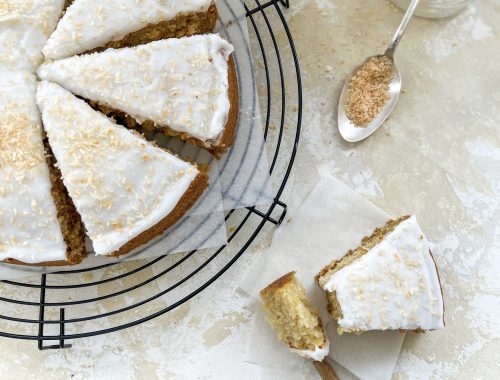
[
  {"x": 126, "y": 189},
  {"x": 38, "y": 223},
  {"x": 389, "y": 282},
  {"x": 294, "y": 317},
  {"x": 89, "y": 24},
  {"x": 184, "y": 86}
]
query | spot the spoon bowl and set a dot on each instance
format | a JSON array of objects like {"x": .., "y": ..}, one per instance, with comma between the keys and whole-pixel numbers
[
  {"x": 348, "y": 130},
  {"x": 351, "y": 132}
]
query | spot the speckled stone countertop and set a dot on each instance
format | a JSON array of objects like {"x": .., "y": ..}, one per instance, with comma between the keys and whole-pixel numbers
[{"x": 437, "y": 156}]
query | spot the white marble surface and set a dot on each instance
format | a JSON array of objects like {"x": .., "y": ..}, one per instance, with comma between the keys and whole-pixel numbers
[{"x": 437, "y": 156}]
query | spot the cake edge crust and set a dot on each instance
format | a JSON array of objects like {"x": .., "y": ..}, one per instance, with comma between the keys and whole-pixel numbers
[
  {"x": 278, "y": 283},
  {"x": 202, "y": 22},
  {"x": 192, "y": 194}
]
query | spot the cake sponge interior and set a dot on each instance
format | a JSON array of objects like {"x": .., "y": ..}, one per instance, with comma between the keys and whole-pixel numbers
[{"x": 291, "y": 314}]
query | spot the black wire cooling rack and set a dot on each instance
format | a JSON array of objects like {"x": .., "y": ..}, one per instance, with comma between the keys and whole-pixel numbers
[{"x": 54, "y": 308}]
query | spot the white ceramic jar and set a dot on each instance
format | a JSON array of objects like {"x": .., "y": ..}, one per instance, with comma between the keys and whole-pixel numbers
[{"x": 435, "y": 8}]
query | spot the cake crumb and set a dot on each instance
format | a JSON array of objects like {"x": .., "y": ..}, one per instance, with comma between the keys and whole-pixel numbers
[{"x": 369, "y": 91}]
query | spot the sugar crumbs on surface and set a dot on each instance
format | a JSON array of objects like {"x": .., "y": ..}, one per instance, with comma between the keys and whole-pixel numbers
[{"x": 369, "y": 91}]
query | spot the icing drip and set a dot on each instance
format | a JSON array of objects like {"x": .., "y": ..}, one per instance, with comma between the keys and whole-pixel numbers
[{"x": 317, "y": 355}]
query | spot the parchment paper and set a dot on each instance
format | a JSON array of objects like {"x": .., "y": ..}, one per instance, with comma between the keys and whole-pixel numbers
[
  {"x": 244, "y": 172},
  {"x": 332, "y": 220}
]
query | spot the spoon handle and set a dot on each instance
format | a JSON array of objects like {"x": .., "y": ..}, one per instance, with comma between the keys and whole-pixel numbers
[
  {"x": 325, "y": 370},
  {"x": 401, "y": 29}
]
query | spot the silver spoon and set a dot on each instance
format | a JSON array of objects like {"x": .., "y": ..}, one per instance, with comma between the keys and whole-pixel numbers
[{"x": 348, "y": 130}]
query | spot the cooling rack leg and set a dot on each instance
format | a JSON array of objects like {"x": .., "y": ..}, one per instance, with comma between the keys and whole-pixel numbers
[
  {"x": 41, "y": 313},
  {"x": 283, "y": 213},
  {"x": 61, "y": 330},
  {"x": 274, "y": 221},
  {"x": 41, "y": 318}
]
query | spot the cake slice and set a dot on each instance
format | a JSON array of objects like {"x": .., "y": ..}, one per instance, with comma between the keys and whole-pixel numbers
[
  {"x": 24, "y": 29},
  {"x": 389, "y": 282},
  {"x": 89, "y": 24},
  {"x": 294, "y": 318},
  {"x": 184, "y": 86},
  {"x": 38, "y": 223},
  {"x": 126, "y": 189}
]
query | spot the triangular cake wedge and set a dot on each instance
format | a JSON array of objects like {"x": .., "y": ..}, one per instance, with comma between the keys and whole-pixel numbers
[
  {"x": 126, "y": 189},
  {"x": 389, "y": 282},
  {"x": 38, "y": 223},
  {"x": 89, "y": 24},
  {"x": 24, "y": 29},
  {"x": 184, "y": 86}
]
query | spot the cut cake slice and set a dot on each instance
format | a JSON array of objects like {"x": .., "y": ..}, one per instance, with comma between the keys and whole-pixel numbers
[
  {"x": 126, "y": 189},
  {"x": 389, "y": 282},
  {"x": 88, "y": 24},
  {"x": 294, "y": 317},
  {"x": 38, "y": 223},
  {"x": 24, "y": 29},
  {"x": 184, "y": 86}
]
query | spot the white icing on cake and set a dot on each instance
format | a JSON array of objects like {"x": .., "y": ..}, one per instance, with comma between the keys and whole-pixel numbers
[
  {"x": 317, "y": 355},
  {"x": 179, "y": 83},
  {"x": 25, "y": 26},
  {"x": 393, "y": 286},
  {"x": 121, "y": 184},
  {"x": 88, "y": 24},
  {"x": 29, "y": 229}
]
